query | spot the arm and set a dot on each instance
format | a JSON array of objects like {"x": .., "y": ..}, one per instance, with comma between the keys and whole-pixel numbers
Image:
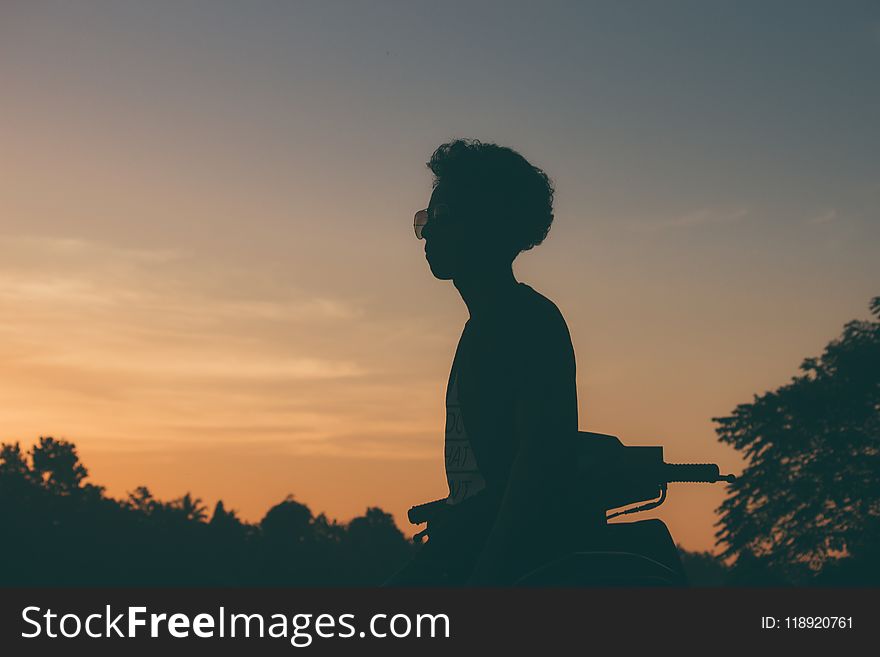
[{"x": 545, "y": 411}]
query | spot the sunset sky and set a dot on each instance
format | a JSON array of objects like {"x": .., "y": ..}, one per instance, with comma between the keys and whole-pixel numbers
[{"x": 208, "y": 275}]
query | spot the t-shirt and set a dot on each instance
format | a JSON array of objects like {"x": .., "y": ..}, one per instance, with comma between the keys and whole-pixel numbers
[
  {"x": 523, "y": 348},
  {"x": 462, "y": 470}
]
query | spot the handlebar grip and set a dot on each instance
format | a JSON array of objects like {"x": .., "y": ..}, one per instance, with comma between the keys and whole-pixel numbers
[
  {"x": 424, "y": 512},
  {"x": 691, "y": 472}
]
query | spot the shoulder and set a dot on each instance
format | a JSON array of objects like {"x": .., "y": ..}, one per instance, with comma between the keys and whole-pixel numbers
[
  {"x": 540, "y": 316},
  {"x": 543, "y": 341}
]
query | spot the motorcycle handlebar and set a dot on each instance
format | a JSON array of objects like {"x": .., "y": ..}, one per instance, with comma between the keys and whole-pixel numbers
[
  {"x": 424, "y": 512},
  {"x": 694, "y": 473},
  {"x": 667, "y": 473}
]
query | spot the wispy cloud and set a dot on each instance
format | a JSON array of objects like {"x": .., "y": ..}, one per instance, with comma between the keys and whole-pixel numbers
[
  {"x": 695, "y": 219},
  {"x": 823, "y": 218},
  {"x": 137, "y": 343},
  {"x": 75, "y": 247},
  {"x": 94, "y": 275},
  {"x": 206, "y": 365}
]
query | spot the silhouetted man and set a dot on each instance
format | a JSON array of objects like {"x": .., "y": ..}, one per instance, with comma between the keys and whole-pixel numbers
[{"x": 511, "y": 400}]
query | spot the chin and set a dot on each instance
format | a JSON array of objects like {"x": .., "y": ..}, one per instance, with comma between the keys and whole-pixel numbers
[{"x": 440, "y": 272}]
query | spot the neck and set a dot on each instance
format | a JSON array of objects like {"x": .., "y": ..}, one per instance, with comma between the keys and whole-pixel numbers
[{"x": 485, "y": 290}]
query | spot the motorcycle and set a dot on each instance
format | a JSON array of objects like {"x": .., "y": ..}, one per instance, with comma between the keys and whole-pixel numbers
[{"x": 613, "y": 480}]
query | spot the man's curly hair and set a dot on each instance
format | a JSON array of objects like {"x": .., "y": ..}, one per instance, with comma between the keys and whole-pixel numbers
[{"x": 496, "y": 184}]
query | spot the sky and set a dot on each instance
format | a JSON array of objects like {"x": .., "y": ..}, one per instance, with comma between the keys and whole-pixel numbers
[{"x": 208, "y": 275}]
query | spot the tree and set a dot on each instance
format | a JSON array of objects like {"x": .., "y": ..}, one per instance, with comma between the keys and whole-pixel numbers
[
  {"x": 809, "y": 496},
  {"x": 703, "y": 568},
  {"x": 141, "y": 500},
  {"x": 375, "y": 547},
  {"x": 57, "y": 464},
  {"x": 13, "y": 462},
  {"x": 288, "y": 523},
  {"x": 191, "y": 508}
]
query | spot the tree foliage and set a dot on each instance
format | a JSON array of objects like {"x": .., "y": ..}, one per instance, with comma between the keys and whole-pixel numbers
[
  {"x": 59, "y": 530},
  {"x": 807, "y": 505}
]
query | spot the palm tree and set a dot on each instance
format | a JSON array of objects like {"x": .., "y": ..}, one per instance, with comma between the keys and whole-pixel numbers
[{"x": 191, "y": 508}]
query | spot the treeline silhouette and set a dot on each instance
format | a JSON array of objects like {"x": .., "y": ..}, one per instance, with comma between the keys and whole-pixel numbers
[{"x": 58, "y": 530}]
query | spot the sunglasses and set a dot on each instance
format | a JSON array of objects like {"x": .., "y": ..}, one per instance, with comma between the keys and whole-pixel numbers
[{"x": 429, "y": 214}]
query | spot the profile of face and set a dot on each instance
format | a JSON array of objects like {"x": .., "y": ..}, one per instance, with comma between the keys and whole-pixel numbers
[
  {"x": 442, "y": 235},
  {"x": 455, "y": 244}
]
